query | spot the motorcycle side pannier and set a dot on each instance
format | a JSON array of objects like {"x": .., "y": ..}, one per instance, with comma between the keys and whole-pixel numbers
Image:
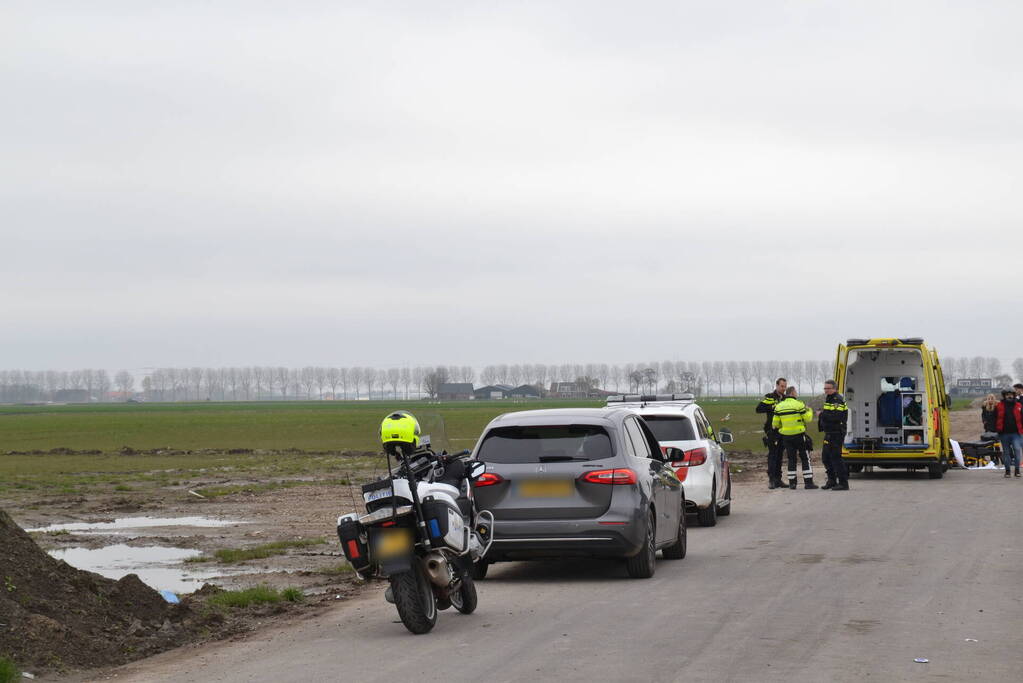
[
  {"x": 444, "y": 523},
  {"x": 352, "y": 536}
]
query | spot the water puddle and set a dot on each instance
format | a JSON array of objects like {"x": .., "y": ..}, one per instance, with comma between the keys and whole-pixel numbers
[
  {"x": 123, "y": 523},
  {"x": 158, "y": 567}
]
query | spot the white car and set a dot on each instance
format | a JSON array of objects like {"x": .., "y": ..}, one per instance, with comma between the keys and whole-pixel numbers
[{"x": 677, "y": 421}]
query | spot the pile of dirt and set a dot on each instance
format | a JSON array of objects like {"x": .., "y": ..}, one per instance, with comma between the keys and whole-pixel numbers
[{"x": 53, "y": 616}]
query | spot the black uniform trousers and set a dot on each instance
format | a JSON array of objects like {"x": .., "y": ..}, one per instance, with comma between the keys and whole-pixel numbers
[
  {"x": 831, "y": 454},
  {"x": 795, "y": 445},
  {"x": 775, "y": 450}
]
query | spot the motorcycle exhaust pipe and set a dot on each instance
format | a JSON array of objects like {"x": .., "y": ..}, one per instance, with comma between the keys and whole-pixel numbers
[{"x": 438, "y": 569}]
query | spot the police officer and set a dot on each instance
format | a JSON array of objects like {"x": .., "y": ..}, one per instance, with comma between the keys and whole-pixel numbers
[
  {"x": 772, "y": 439},
  {"x": 790, "y": 419},
  {"x": 832, "y": 423}
]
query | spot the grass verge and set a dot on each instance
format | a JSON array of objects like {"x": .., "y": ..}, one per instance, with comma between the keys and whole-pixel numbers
[
  {"x": 9, "y": 671},
  {"x": 257, "y": 595}
]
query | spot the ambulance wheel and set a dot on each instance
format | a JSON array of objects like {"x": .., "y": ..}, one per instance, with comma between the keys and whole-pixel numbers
[
  {"x": 934, "y": 472},
  {"x": 855, "y": 468}
]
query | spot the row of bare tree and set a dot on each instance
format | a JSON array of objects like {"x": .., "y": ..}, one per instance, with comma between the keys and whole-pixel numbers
[{"x": 261, "y": 383}]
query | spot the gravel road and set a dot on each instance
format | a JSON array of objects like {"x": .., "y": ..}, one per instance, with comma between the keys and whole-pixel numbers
[{"x": 794, "y": 586}]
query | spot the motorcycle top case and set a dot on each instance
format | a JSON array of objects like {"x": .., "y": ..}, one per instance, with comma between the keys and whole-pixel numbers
[
  {"x": 352, "y": 534},
  {"x": 444, "y": 524}
]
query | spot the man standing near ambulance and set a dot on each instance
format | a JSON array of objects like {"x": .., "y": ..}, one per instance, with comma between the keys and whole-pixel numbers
[
  {"x": 772, "y": 439},
  {"x": 832, "y": 423}
]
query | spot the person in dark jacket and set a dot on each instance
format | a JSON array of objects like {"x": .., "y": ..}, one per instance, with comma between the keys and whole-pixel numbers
[
  {"x": 832, "y": 422},
  {"x": 1009, "y": 424},
  {"x": 988, "y": 417},
  {"x": 772, "y": 439},
  {"x": 987, "y": 413}
]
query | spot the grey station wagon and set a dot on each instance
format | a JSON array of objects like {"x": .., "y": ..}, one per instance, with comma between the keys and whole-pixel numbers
[{"x": 579, "y": 482}]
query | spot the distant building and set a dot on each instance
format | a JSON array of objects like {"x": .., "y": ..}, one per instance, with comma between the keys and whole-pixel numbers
[
  {"x": 524, "y": 391},
  {"x": 492, "y": 391},
  {"x": 460, "y": 391},
  {"x": 975, "y": 386},
  {"x": 568, "y": 390}
]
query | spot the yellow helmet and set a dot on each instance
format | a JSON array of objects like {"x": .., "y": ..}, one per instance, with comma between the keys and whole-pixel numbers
[{"x": 399, "y": 430}]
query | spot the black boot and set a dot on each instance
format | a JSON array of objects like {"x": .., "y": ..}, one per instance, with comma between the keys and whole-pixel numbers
[
  {"x": 1007, "y": 473},
  {"x": 808, "y": 484},
  {"x": 792, "y": 484},
  {"x": 1017, "y": 471},
  {"x": 842, "y": 485},
  {"x": 774, "y": 484},
  {"x": 830, "y": 483}
]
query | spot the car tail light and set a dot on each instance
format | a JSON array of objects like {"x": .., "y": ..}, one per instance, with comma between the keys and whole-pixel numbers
[
  {"x": 353, "y": 549},
  {"x": 691, "y": 458},
  {"x": 615, "y": 476},
  {"x": 488, "y": 479}
]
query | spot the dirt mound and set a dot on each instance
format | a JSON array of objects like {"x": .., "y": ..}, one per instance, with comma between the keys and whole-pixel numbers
[{"x": 53, "y": 616}]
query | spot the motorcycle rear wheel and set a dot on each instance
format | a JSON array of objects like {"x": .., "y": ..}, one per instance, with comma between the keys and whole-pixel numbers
[
  {"x": 413, "y": 596},
  {"x": 464, "y": 599}
]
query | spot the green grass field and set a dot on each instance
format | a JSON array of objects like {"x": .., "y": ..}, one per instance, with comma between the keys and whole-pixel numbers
[
  {"x": 310, "y": 426},
  {"x": 327, "y": 427}
]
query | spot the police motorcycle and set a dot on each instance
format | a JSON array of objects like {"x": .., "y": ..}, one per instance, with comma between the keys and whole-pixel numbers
[{"x": 421, "y": 528}]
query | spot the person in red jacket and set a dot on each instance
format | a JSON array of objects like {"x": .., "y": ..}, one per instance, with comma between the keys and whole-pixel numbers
[{"x": 1009, "y": 423}]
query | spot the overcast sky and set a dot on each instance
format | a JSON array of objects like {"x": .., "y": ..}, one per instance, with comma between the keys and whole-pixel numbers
[{"x": 292, "y": 183}]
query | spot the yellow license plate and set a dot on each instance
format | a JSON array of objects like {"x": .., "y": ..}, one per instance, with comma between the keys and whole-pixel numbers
[
  {"x": 546, "y": 488},
  {"x": 393, "y": 542}
]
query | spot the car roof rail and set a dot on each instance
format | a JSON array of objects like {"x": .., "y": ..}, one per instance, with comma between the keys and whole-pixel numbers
[{"x": 651, "y": 398}]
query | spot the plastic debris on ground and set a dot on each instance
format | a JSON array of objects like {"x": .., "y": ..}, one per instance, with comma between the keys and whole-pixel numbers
[
  {"x": 170, "y": 596},
  {"x": 921, "y": 660}
]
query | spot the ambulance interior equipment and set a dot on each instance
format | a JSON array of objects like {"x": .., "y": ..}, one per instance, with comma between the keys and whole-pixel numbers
[{"x": 887, "y": 403}]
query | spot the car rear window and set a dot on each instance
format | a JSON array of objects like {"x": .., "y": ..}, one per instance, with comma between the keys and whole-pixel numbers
[
  {"x": 564, "y": 443},
  {"x": 671, "y": 427}
]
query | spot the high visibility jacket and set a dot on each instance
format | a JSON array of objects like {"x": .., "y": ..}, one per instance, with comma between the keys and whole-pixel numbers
[
  {"x": 834, "y": 416},
  {"x": 767, "y": 405},
  {"x": 791, "y": 417}
]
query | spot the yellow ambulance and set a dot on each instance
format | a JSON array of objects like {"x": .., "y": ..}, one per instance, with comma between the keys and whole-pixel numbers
[{"x": 898, "y": 406}]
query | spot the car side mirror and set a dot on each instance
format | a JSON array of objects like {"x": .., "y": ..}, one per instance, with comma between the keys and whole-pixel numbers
[
  {"x": 725, "y": 436},
  {"x": 477, "y": 469},
  {"x": 672, "y": 454}
]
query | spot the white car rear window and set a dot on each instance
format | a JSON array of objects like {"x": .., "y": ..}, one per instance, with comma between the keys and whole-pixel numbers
[{"x": 671, "y": 427}]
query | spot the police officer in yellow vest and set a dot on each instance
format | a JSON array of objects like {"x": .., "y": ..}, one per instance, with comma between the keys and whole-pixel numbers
[{"x": 790, "y": 419}]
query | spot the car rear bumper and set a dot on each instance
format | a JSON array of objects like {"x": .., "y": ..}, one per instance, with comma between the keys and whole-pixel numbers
[
  {"x": 699, "y": 485},
  {"x": 890, "y": 458},
  {"x": 612, "y": 535}
]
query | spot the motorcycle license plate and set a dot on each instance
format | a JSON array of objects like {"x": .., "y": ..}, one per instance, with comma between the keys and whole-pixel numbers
[
  {"x": 378, "y": 494},
  {"x": 393, "y": 543},
  {"x": 546, "y": 488}
]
